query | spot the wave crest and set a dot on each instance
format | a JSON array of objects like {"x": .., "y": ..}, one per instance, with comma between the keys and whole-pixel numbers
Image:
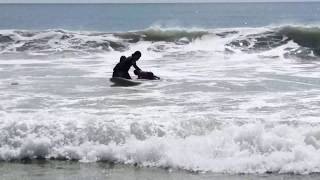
[
  {"x": 167, "y": 35},
  {"x": 304, "y": 36}
]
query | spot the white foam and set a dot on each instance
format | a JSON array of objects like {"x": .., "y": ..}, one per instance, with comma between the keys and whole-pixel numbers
[{"x": 250, "y": 148}]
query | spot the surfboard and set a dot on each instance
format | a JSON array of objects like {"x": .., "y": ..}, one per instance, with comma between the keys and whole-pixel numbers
[{"x": 117, "y": 81}]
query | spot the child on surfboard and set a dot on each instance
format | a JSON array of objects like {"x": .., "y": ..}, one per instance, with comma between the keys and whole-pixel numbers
[{"x": 145, "y": 75}]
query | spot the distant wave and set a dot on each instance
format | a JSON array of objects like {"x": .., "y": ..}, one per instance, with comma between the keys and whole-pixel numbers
[
  {"x": 305, "y": 37},
  {"x": 167, "y": 35},
  {"x": 259, "y": 39}
]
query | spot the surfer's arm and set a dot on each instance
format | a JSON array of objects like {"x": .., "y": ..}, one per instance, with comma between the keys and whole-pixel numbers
[{"x": 135, "y": 66}]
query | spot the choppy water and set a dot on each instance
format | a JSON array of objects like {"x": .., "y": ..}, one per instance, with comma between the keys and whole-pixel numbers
[{"x": 231, "y": 100}]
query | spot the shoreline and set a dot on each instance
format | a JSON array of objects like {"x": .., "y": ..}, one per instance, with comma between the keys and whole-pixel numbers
[
  {"x": 141, "y": 3},
  {"x": 49, "y": 170}
]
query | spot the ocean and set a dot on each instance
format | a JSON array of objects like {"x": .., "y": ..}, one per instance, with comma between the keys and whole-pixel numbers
[
  {"x": 129, "y": 17},
  {"x": 239, "y": 95}
]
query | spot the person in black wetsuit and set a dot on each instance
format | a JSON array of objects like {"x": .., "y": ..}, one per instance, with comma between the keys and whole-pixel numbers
[{"x": 123, "y": 67}]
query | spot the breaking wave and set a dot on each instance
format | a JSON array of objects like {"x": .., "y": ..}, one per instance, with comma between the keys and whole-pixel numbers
[
  {"x": 248, "y": 148},
  {"x": 249, "y": 40}
]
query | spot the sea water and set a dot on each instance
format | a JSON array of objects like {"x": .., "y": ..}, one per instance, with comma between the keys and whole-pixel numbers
[{"x": 239, "y": 89}]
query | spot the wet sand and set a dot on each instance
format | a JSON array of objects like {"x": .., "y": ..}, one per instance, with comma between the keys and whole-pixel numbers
[{"x": 65, "y": 170}]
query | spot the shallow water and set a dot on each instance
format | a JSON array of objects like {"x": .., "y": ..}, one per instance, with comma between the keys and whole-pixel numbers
[{"x": 96, "y": 171}]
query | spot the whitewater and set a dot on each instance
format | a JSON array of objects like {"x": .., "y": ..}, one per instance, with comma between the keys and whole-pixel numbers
[{"x": 230, "y": 100}]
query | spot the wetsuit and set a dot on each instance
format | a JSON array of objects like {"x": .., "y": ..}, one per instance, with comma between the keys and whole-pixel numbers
[{"x": 123, "y": 67}]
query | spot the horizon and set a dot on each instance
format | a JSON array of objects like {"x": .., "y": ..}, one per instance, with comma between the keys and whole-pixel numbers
[{"x": 150, "y": 1}]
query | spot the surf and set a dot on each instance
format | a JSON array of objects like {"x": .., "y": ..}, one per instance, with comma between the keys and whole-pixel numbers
[
  {"x": 233, "y": 100},
  {"x": 258, "y": 40}
]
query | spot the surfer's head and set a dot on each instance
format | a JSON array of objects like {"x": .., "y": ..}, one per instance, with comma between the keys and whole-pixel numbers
[
  {"x": 136, "y": 55},
  {"x": 122, "y": 58},
  {"x": 136, "y": 72}
]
